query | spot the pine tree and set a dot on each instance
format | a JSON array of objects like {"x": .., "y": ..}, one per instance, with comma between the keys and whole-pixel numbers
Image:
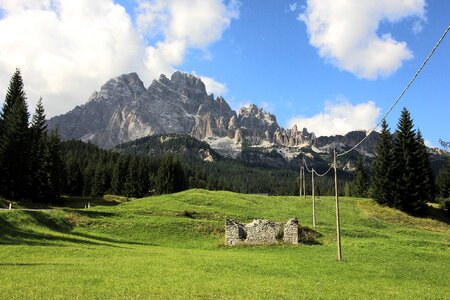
[
  {"x": 443, "y": 181},
  {"x": 132, "y": 178},
  {"x": 38, "y": 176},
  {"x": 118, "y": 176},
  {"x": 425, "y": 177},
  {"x": 407, "y": 195},
  {"x": 170, "y": 177},
  {"x": 15, "y": 137},
  {"x": 360, "y": 183},
  {"x": 54, "y": 167},
  {"x": 383, "y": 178},
  {"x": 99, "y": 181}
]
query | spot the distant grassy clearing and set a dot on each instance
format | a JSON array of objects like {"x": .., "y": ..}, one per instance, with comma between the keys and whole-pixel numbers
[{"x": 171, "y": 247}]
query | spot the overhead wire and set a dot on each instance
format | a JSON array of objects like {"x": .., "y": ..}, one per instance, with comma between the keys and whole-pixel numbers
[
  {"x": 389, "y": 110},
  {"x": 401, "y": 94},
  {"x": 313, "y": 170}
]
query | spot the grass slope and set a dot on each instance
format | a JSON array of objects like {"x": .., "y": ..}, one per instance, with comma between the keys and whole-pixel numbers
[{"x": 172, "y": 247}]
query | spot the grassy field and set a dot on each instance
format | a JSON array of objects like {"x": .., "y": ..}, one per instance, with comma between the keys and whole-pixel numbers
[{"x": 172, "y": 247}]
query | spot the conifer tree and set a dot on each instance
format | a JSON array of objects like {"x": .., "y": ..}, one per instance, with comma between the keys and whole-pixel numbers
[
  {"x": 360, "y": 183},
  {"x": 170, "y": 177},
  {"x": 407, "y": 195},
  {"x": 54, "y": 167},
  {"x": 427, "y": 190},
  {"x": 15, "y": 137},
  {"x": 39, "y": 179},
  {"x": 443, "y": 181},
  {"x": 119, "y": 175},
  {"x": 99, "y": 181},
  {"x": 132, "y": 179},
  {"x": 383, "y": 178}
]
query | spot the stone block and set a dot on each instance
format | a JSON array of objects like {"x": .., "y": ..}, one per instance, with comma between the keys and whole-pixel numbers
[
  {"x": 262, "y": 232},
  {"x": 234, "y": 232},
  {"x": 291, "y": 231}
]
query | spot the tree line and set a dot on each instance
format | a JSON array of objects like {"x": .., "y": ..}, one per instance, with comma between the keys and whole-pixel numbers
[{"x": 36, "y": 165}]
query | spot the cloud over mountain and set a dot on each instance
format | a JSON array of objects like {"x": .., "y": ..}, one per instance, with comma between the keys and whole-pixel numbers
[
  {"x": 66, "y": 49},
  {"x": 340, "y": 117},
  {"x": 346, "y": 33}
]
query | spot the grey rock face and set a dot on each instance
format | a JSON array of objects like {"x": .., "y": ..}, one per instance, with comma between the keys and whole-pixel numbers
[{"x": 124, "y": 110}]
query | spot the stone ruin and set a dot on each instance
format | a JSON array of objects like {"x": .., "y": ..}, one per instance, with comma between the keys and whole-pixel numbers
[{"x": 262, "y": 232}]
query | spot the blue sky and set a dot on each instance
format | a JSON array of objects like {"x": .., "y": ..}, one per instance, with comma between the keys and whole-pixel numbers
[{"x": 327, "y": 66}]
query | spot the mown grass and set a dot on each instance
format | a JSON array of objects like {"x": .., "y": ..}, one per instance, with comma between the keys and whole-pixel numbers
[{"x": 172, "y": 247}]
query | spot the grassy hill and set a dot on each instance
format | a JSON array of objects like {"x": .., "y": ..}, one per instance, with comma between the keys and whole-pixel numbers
[{"x": 172, "y": 247}]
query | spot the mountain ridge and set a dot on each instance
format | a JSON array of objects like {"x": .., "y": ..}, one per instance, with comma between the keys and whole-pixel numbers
[{"x": 124, "y": 110}]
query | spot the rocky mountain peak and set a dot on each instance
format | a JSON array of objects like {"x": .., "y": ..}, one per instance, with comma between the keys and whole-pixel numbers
[
  {"x": 129, "y": 84},
  {"x": 184, "y": 82},
  {"x": 123, "y": 110},
  {"x": 252, "y": 115}
]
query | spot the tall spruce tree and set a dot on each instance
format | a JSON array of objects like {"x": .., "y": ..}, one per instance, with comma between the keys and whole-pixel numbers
[
  {"x": 360, "y": 182},
  {"x": 39, "y": 177},
  {"x": 427, "y": 190},
  {"x": 443, "y": 181},
  {"x": 407, "y": 195},
  {"x": 119, "y": 175},
  {"x": 15, "y": 137},
  {"x": 54, "y": 167},
  {"x": 170, "y": 177},
  {"x": 383, "y": 177}
]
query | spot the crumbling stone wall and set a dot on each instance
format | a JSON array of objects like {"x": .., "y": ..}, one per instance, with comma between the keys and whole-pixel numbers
[
  {"x": 234, "y": 232},
  {"x": 261, "y": 232},
  {"x": 291, "y": 232}
]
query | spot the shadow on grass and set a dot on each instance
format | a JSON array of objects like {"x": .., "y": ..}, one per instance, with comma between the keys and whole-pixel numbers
[
  {"x": 437, "y": 214},
  {"x": 309, "y": 236},
  {"x": 10, "y": 234},
  {"x": 91, "y": 213}
]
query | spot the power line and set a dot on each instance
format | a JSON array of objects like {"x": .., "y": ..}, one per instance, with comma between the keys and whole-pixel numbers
[
  {"x": 401, "y": 94},
  {"x": 312, "y": 170}
]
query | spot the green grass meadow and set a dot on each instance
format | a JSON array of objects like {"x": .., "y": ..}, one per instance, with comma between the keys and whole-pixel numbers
[{"x": 172, "y": 247}]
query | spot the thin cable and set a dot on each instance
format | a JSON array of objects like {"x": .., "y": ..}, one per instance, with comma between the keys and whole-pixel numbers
[
  {"x": 402, "y": 93},
  {"x": 321, "y": 175},
  {"x": 306, "y": 165},
  {"x": 312, "y": 169}
]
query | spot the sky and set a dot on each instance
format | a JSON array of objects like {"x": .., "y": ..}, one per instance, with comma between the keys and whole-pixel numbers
[{"x": 329, "y": 66}]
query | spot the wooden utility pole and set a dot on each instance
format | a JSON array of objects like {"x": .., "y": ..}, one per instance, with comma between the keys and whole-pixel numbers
[
  {"x": 300, "y": 182},
  {"x": 313, "y": 199},
  {"x": 304, "y": 183},
  {"x": 338, "y": 222}
]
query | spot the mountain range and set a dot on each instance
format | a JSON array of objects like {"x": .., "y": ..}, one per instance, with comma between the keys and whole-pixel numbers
[{"x": 124, "y": 110}]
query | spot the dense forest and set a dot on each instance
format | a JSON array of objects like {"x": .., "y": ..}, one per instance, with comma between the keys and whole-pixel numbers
[
  {"x": 92, "y": 171},
  {"x": 35, "y": 165}
]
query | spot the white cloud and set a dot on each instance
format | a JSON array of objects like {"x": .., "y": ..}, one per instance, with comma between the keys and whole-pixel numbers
[
  {"x": 339, "y": 117},
  {"x": 66, "y": 49},
  {"x": 214, "y": 86},
  {"x": 182, "y": 24},
  {"x": 345, "y": 33}
]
